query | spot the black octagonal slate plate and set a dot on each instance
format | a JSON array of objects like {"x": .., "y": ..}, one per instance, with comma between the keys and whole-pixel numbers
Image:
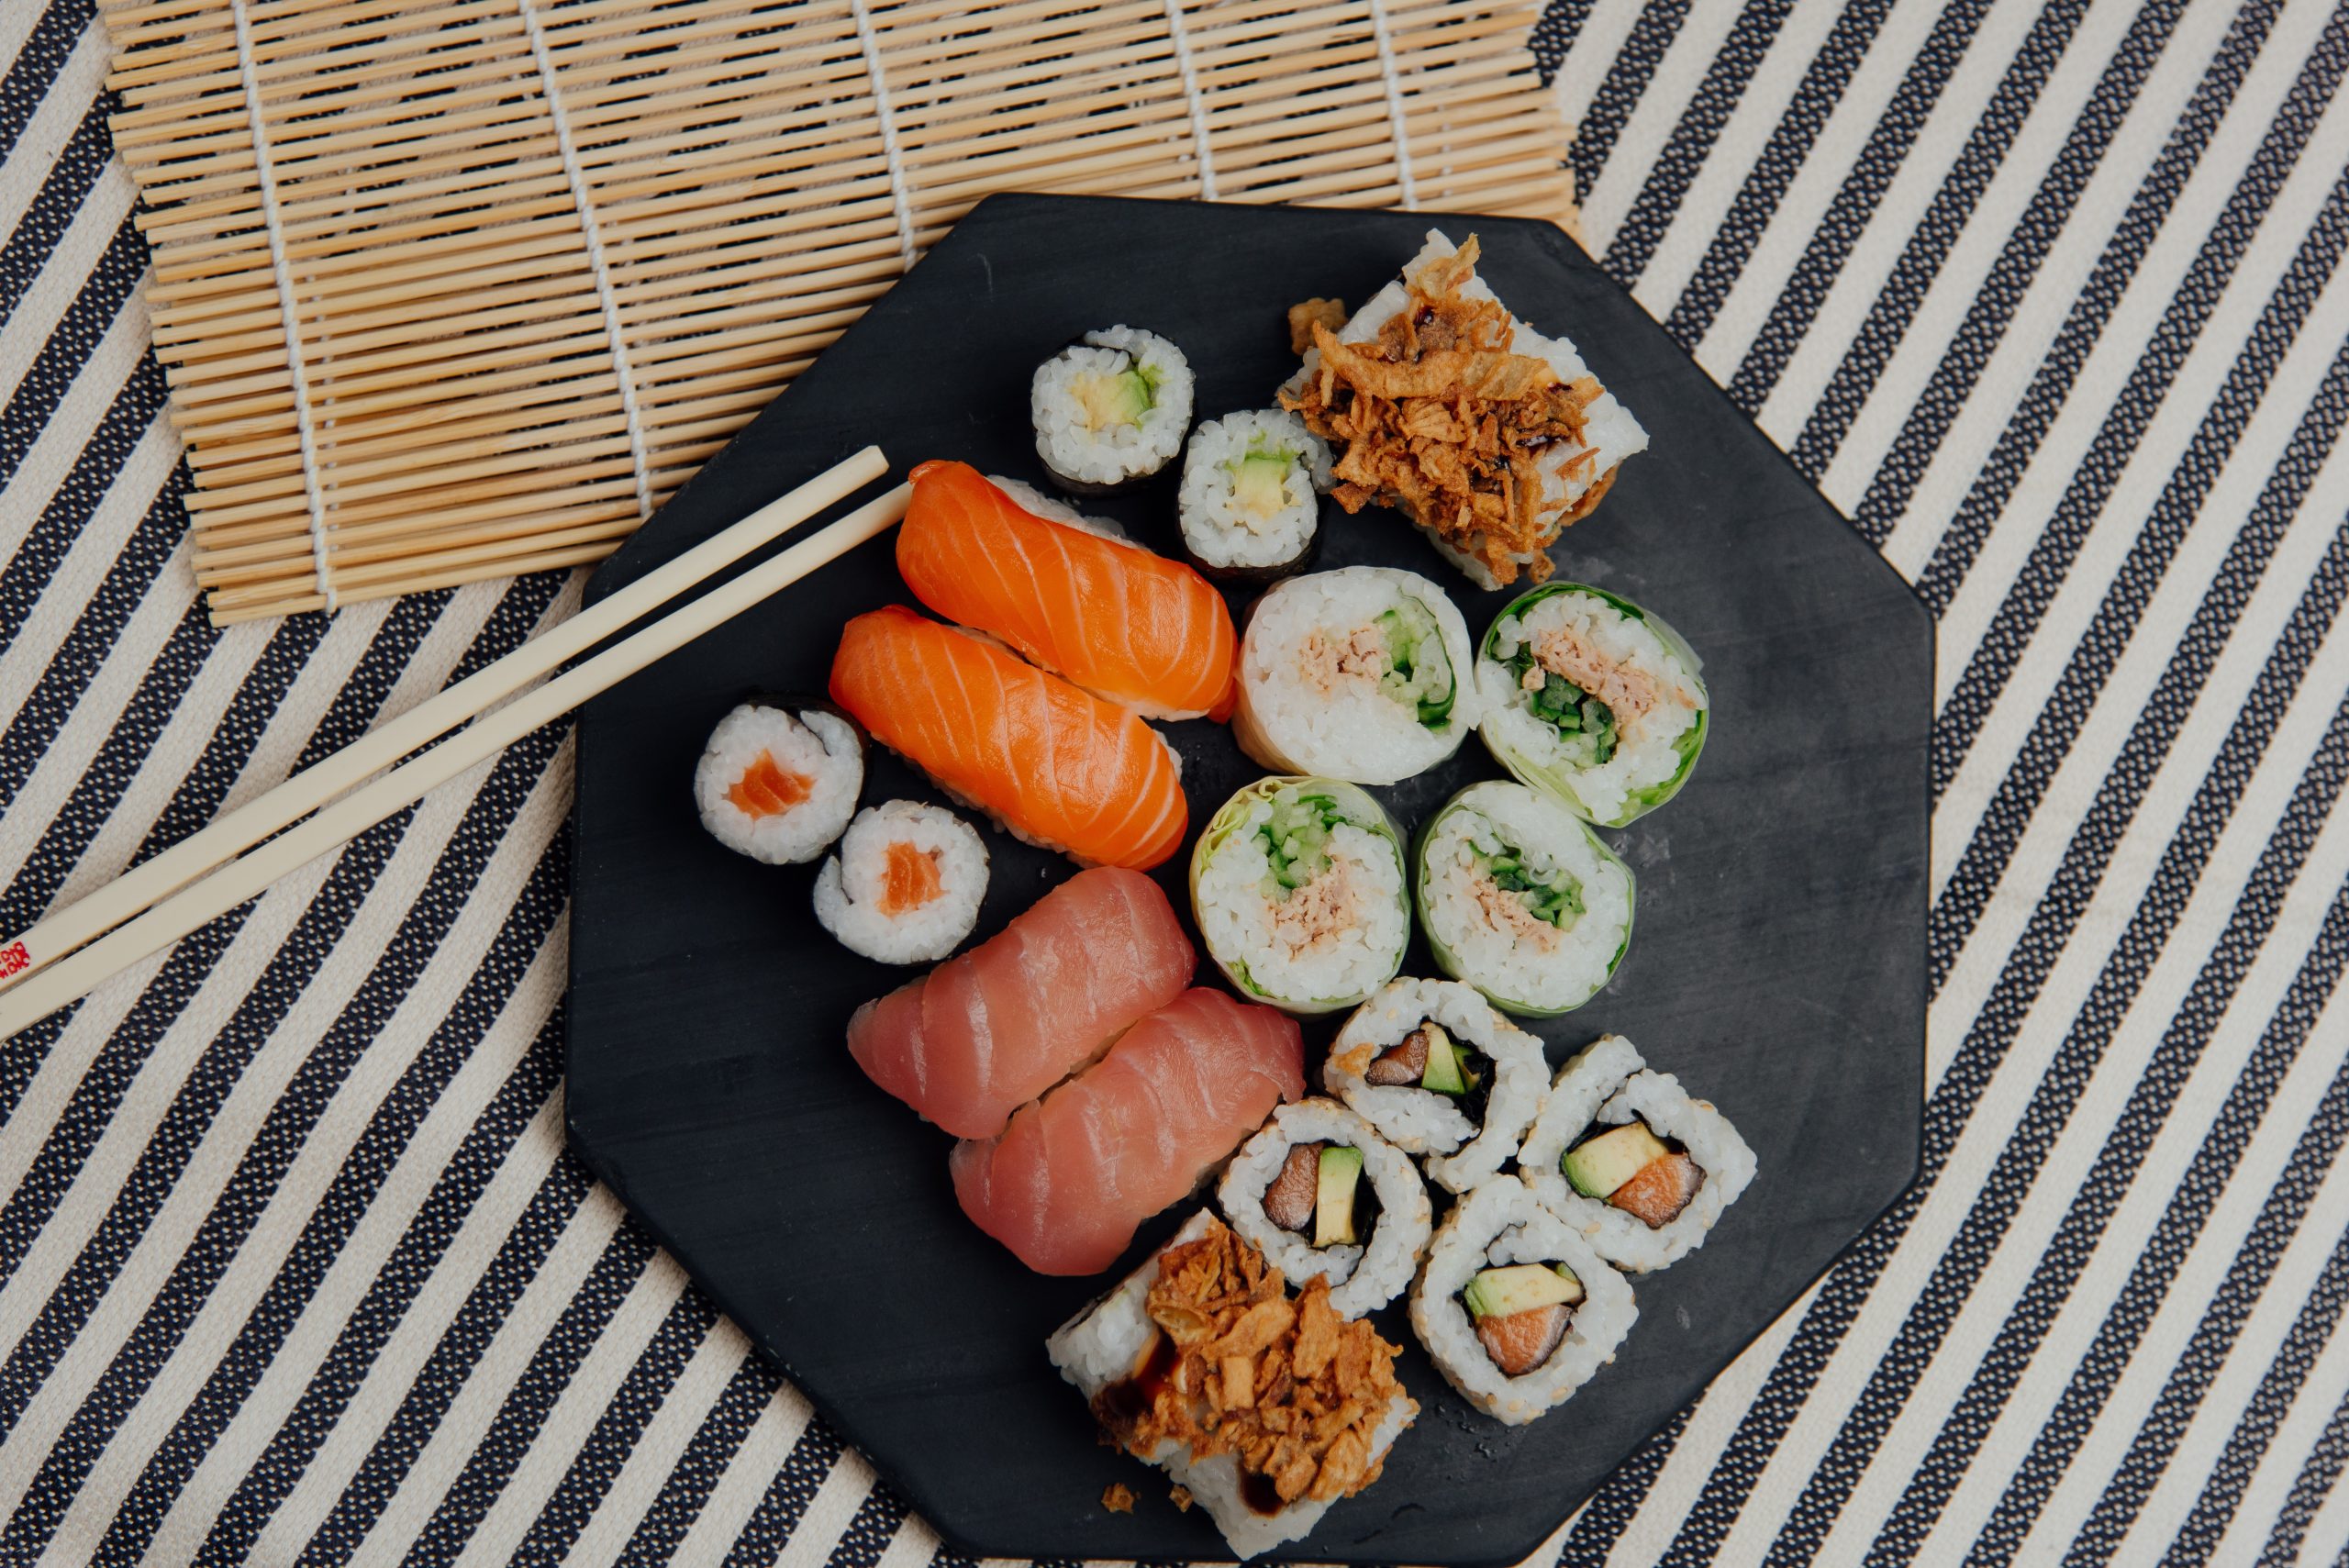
[{"x": 1777, "y": 965}]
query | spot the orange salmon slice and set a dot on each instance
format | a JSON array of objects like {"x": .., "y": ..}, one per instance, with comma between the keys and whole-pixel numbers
[
  {"x": 909, "y": 880},
  {"x": 766, "y": 789}
]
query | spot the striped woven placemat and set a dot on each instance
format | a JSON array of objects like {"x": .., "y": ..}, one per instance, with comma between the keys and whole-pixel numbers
[{"x": 466, "y": 288}]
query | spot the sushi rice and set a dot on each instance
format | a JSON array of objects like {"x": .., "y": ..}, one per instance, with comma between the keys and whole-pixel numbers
[
  {"x": 906, "y": 885},
  {"x": 1500, "y": 1224},
  {"x": 1251, "y": 497},
  {"x": 1460, "y": 1152},
  {"x": 1521, "y": 900},
  {"x": 1606, "y": 1085},
  {"x": 1363, "y": 673},
  {"x": 778, "y": 782},
  {"x": 1298, "y": 885},
  {"x": 1591, "y": 700},
  {"x": 1103, "y": 1343},
  {"x": 1362, "y": 1277},
  {"x": 1111, "y": 409}
]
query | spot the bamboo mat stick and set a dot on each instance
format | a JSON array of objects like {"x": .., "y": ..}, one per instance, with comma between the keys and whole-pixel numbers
[{"x": 136, "y": 890}]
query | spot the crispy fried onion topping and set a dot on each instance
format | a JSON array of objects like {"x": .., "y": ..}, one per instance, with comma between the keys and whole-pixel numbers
[
  {"x": 1287, "y": 1385},
  {"x": 1437, "y": 417}
]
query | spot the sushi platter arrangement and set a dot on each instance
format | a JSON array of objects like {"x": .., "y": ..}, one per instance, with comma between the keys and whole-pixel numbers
[{"x": 1252, "y": 631}]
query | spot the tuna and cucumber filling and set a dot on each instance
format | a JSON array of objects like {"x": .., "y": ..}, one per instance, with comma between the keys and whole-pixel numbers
[
  {"x": 1251, "y": 501},
  {"x": 1592, "y": 701},
  {"x": 1297, "y": 885},
  {"x": 1439, "y": 1074},
  {"x": 1327, "y": 1197},
  {"x": 1521, "y": 900},
  {"x": 1627, "y": 1158},
  {"x": 1110, "y": 408},
  {"x": 1362, "y": 674},
  {"x": 1515, "y": 1308}
]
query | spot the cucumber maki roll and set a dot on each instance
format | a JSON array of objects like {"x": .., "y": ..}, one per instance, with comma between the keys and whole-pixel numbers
[
  {"x": 1298, "y": 885},
  {"x": 1324, "y": 1196},
  {"x": 1521, "y": 900},
  {"x": 1251, "y": 501},
  {"x": 1624, "y": 1156},
  {"x": 1110, "y": 409},
  {"x": 1514, "y": 1306},
  {"x": 1430, "y": 1065},
  {"x": 1591, "y": 700},
  {"x": 1362, "y": 674}
]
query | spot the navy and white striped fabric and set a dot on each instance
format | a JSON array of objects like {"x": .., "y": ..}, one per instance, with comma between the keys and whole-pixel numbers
[{"x": 2046, "y": 294}]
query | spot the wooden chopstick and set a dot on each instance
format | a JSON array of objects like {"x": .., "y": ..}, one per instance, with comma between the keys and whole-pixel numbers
[
  {"x": 78, "y": 974},
  {"x": 62, "y": 931}
]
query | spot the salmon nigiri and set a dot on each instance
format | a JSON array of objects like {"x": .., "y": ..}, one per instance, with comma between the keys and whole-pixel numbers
[
  {"x": 981, "y": 1035},
  {"x": 1074, "y": 1174},
  {"x": 1123, "y": 623},
  {"x": 1059, "y": 766}
]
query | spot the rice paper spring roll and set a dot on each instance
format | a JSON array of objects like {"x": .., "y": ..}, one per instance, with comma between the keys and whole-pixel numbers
[
  {"x": 1324, "y": 1196},
  {"x": 1515, "y": 1308},
  {"x": 1627, "y": 1158},
  {"x": 1434, "y": 1068},
  {"x": 1591, "y": 700},
  {"x": 1521, "y": 900},
  {"x": 1363, "y": 673},
  {"x": 1299, "y": 887}
]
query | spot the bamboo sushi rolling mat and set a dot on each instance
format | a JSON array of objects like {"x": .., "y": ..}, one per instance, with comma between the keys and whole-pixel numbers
[
  {"x": 543, "y": 257},
  {"x": 2046, "y": 294}
]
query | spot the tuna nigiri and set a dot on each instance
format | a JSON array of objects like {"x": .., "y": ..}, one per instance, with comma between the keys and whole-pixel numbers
[
  {"x": 983, "y": 1034},
  {"x": 1133, "y": 626},
  {"x": 1075, "y": 1174},
  {"x": 1057, "y": 765}
]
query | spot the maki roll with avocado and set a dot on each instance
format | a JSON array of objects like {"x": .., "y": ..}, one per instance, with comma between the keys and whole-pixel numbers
[
  {"x": 1591, "y": 700},
  {"x": 1515, "y": 1308},
  {"x": 1110, "y": 408},
  {"x": 1629, "y": 1161},
  {"x": 906, "y": 885},
  {"x": 1298, "y": 885},
  {"x": 1521, "y": 900},
  {"x": 1324, "y": 1196},
  {"x": 1431, "y": 1065},
  {"x": 778, "y": 779},
  {"x": 1362, "y": 674},
  {"x": 1251, "y": 501}
]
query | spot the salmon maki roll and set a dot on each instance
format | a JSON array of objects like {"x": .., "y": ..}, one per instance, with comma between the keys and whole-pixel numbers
[
  {"x": 981, "y": 1035},
  {"x": 1074, "y": 1174},
  {"x": 1057, "y": 766},
  {"x": 1141, "y": 630}
]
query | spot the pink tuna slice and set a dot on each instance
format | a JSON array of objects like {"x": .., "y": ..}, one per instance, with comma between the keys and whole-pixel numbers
[
  {"x": 983, "y": 1034},
  {"x": 1074, "y": 1174}
]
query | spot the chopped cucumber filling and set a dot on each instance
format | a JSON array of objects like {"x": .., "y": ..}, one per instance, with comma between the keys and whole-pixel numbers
[
  {"x": 1297, "y": 838},
  {"x": 1553, "y": 898},
  {"x": 1419, "y": 669},
  {"x": 1582, "y": 721},
  {"x": 1120, "y": 399}
]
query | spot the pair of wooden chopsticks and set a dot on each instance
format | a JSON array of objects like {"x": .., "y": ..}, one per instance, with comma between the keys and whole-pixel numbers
[{"x": 72, "y": 951}]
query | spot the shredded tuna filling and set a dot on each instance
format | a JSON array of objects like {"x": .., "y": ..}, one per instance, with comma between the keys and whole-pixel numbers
[
  {"x": 1438, "y": 417},
  {"x": 1287, "y": 1385}
]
